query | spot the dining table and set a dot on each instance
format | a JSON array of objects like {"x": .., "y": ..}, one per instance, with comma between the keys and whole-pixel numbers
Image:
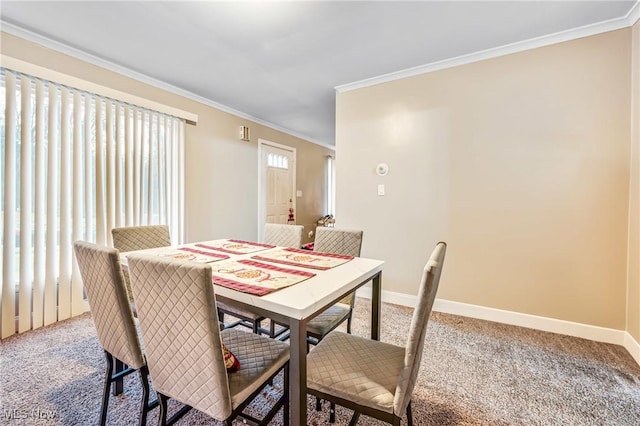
[{"x": 286, "y": 284}]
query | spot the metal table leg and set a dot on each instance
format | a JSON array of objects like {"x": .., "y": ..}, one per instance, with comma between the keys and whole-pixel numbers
[
  {"x": 298, "y": 372},
  {"x": 376, "y": 302}
]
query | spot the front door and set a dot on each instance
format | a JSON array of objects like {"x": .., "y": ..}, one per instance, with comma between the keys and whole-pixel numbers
[{"x": 278, "y": 172}]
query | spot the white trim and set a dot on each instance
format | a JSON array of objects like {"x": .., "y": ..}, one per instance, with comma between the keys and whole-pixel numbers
[
  {"x": 78, "y": 83},
  {"x": 17, "y": 31},
  {"x": 585, "y": 331},
  {"x": 546, "y": 40},
  {"x": 552, "y": 325},
  {"x": 634, "y": 14},
  {"x": 392, "y": 297},
  {"x": 632, "y": 346}
]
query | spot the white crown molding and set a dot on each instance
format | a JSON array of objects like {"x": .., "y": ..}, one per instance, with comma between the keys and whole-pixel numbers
[
  {"x": 552, "y": 325},
  {"x": 18, "y": 31},
  {"x": 585, "y": 31},
  {"x": 634, "y": 14}
]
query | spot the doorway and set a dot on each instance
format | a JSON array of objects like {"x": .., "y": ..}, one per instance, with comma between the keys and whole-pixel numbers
[{"x": 276, "y": 184}]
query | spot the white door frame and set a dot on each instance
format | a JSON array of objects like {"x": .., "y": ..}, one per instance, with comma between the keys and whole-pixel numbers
[{"x": 262, "y": 174}]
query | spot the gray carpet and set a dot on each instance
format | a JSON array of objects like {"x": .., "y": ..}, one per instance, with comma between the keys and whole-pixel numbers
[{"x": 473, "y": 372}]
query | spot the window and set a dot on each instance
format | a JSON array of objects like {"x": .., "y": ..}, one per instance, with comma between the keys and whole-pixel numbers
[
  {"x": 278, "y": 161},
  {"x": 331, "y": 186},
  {"x": 74, "y": 166}
]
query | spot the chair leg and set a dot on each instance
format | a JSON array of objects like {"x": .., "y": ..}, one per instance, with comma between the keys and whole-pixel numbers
[
  {"x": 332, "y": 412},
  {"x": 162, "y": 402},
  {"x": 349, "y": 322},
  {"x": 107, "y": 387},
  {"x": 270, "y": 335},
  {"x": 409, "y": 415},
  {"x": 118, "y": 385},
  {"x": 144, "y": 379},
  {"x": 354, "y": 418}
]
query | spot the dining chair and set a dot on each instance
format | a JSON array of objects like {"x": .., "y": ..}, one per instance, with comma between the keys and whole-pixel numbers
[
  {"x": 337, "y": 241},
  {"x": 131, "y": 238},
  {"x": 344, "y": 242},
  {"x": 282, "y": 235},
  {"x": 372, "y": 377},
  {"x": 185, "y": 349},
  {"x": 115, "y": 325}
]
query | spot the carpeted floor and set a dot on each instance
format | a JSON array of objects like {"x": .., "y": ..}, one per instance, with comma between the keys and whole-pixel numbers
[{"x": 473, "y": 372}]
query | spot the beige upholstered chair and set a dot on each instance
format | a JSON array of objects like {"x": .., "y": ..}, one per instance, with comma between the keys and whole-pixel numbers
[
  {"x": 112, "y": 316},
  {"x": 179, "y": 322},
  {"x": 278, "y": 235},
  {"x": 283, "y": 235},
  {"x": 338, "y": 241},
  {"x": 132, "y": 238},
  {"x": 372, "y": 377}
]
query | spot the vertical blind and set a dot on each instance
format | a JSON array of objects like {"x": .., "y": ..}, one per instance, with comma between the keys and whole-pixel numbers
[{"x": 74, "y": 166}]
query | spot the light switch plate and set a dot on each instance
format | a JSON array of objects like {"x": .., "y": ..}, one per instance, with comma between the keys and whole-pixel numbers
[
  {"x": 298, "y": 193},
  {"x": 381, "y": 189}
]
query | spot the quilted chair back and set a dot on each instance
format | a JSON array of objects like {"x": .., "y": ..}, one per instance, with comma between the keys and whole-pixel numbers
[
  {"x": 179, "y": 322},
  {"x": 418, "y": 329},
  {"x": 132, "y": 238},
  {"x": 339, "y": 241},
  {"x": 283, "y": 235},
  {"x": 103, "y": 281}
]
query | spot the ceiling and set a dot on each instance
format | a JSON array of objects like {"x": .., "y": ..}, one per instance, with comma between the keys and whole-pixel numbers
[{"x": 280, "y": 62}]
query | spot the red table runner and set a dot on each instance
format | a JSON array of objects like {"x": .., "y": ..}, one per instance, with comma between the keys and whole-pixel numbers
[
  {"x": 208, "y": 254},
  {"x": 304, "y": 258},
  {"x": 235, "y": 246},
  {"x": 184, "y": 253},
  {"x": 255, "y": 278}
]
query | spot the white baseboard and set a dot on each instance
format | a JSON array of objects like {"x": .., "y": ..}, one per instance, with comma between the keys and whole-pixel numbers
[
  {"x": 552, "y": 325},
  {"x": 392, "y": 297},
  {"x": 632, "y": 346}
]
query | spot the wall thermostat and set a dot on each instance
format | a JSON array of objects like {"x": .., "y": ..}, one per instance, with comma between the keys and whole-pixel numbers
[{"x": 382, "y": 169}]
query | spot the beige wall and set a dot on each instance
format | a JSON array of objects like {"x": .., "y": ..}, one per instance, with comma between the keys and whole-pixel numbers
[
  {"x": 520, "y": 163},
  {"x": 633, "y": 295},
  {"x": 221, "y": 176}
]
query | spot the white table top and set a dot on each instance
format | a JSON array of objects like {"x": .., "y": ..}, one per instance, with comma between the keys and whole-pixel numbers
[{"x": 301, "y": 300}]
